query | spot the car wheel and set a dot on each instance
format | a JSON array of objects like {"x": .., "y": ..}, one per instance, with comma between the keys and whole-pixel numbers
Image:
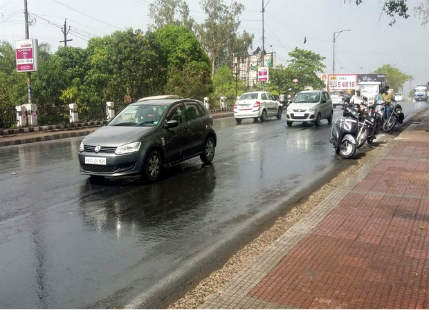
[
  {"x": 208, "y": 151},
  {"x": 152, "y": 166},
  {"x": 289, "y": 124},
  {"x": 264, "y": 116},
  {"x": 238, "y": 121},
  {"x": 330, "y": 117},
  {"x": 279, "y": 113},
  {"x": 255, "y": 120},
  {"x": 317, "y": 121}
]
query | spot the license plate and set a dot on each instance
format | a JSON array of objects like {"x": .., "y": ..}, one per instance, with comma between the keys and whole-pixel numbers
[
  {"x": 100, "y": 161},
  {"x": 298, "y": 114}
]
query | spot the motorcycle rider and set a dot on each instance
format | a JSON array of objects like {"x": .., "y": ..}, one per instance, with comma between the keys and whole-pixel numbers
[
  {"x": 387, "y": 98},
  {"x": 357, "y": 97}
]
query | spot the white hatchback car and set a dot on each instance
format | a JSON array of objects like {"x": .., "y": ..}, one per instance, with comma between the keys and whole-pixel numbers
[
  {"x": 310, "y": 106},
  {"x": 257, "y": 105}
]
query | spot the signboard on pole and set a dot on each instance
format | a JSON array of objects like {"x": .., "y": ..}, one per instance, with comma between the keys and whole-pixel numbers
[
  {"x": 339, "y": 82},
  {"x": 27, "y": 55},
  {"x": 263, "y": 74}
]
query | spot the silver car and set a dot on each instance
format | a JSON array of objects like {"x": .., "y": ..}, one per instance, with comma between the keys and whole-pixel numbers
[{"x": 310, "y": 106}]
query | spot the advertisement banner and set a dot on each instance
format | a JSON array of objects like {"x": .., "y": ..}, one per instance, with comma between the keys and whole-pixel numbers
[
  {"x": 263, "y": 75},
  {"x": 339, "y": 82},
  {"x": 27, "y": 55}
]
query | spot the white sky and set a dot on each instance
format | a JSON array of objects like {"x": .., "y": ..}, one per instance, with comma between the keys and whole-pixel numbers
[{"x": 370, "y": 44}]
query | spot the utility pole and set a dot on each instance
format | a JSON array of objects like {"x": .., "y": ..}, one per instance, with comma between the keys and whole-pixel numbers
[
  {"x": 27, "y": 36},
  {"x": 65, "y": 32},
  {"x": 263, "y": 32},
  {"x": 336, "y": 34}
]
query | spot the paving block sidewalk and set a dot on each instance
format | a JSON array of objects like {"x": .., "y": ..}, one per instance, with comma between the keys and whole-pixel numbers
[{"x": 365, "y": 246}]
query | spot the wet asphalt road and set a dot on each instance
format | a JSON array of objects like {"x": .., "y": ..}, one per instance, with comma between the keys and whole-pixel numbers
[{"x": 67, "y": 243}]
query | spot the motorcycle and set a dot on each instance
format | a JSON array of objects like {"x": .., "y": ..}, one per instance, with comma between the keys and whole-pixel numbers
[
  {"x": 350, "y": 132},
  {"x": 396, "y": 118}
]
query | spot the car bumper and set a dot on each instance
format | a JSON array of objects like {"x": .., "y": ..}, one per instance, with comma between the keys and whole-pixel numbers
[
  {"x": 240, "y": 114},
  {"x": 306, "y": 117},
  {"x": 116, "y": 165}
]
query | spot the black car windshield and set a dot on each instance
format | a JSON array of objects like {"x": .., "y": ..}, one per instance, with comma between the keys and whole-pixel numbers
[
  {"x": 139, "y": 115},
  {"x": 311, "y": 97},
  {"x": 249, "y": 96}
]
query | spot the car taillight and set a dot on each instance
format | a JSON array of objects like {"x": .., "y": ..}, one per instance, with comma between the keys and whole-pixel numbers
[
  {"x": 257, "y": 104},
  {"x": 235, "y": 106}
]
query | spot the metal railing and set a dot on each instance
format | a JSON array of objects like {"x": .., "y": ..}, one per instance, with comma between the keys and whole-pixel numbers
[{"x": 7, "y": 117}]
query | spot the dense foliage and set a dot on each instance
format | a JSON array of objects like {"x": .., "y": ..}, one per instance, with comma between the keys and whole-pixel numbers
[{"x": 121, "y": 67}]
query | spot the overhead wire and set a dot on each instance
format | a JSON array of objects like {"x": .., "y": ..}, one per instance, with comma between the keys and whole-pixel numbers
[{"x": 84, "y": 14}]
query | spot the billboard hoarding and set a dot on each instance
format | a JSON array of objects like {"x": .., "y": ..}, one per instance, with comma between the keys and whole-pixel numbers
[
  {"x": 342, "y": 82},
  {"x": 27, "y": 55},
  {"x": 263, "y": 74}
]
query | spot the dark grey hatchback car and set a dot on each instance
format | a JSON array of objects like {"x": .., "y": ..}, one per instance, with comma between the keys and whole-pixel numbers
[{"x": 148, "y": 135}]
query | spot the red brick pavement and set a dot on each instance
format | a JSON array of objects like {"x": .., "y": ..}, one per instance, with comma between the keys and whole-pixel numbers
[{"x": 369, "y": 252}]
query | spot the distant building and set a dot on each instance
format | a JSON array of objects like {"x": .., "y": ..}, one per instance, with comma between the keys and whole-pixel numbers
[{"x": 246, "y": 68}]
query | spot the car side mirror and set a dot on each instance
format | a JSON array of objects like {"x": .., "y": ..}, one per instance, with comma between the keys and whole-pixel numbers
[
  {"x": 171, "y": 124},
  {"x": 324, "y": 101}
]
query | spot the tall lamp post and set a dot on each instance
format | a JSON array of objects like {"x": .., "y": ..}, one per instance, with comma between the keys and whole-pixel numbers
[{"x": 336, "y": 34}]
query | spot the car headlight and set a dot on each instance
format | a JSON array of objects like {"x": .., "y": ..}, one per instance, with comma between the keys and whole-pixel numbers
[
  {"x": 311, "y": 110},
  {"x": 81, "y": 147},
  {"x": 128, "y": 148}
]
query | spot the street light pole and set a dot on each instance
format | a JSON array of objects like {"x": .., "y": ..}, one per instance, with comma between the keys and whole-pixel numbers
[
  {"x": 336, "y": 34},
  {"x": 27, "y": 36}
]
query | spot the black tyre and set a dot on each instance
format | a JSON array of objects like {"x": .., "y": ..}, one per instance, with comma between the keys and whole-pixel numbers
[
  {"x": 330, "y": 117},
  {"x": 255, "y": 120},
  {"x": 389, "y": 124},
  {"x": 279, "y": 113},
  {"x": 317, "y": 121},
  {"x": 347, "y": 149},
  {"x": 152, "y": 166},
  {"x": 209, "y": 150},
  {"x": 238, "y": 121},
  {"x": 289, "y": 124},
  {"x": 264, "y": 116}
]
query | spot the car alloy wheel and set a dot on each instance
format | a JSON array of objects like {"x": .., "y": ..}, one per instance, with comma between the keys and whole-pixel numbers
[
  {"x": 209, "y": 151},
  {"x": 153, "y": 166}
]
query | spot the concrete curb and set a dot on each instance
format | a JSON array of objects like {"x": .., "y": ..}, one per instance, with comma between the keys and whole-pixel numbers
[
  {"x": 63, "y": 135},
  {"x": 47, "y": 128},
  {"x": 172, "y": 287}
]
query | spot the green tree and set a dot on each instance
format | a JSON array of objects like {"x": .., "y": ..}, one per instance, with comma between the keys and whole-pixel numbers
[
  {"x": 192, "y": 81},
  {"x": 302, "y": 70},
  {"x": 394, "y": 77},
  {"x": 171, "y": 12},
  {"x": 393, "y": 8},
  {"x": 219, "y": 30},
  {"x": 224, "y": 84},
  {"x": 13, "y": 89},
  {"x": 188, "y": 66}
]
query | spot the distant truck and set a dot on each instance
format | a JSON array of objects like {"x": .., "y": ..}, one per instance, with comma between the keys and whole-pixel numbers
[
  {"x": 370, "y": 85},
  {"x": 421, "y": 93}
]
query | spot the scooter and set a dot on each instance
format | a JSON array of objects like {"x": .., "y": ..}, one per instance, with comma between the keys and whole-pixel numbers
[{"x": 352, "y": 131}]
